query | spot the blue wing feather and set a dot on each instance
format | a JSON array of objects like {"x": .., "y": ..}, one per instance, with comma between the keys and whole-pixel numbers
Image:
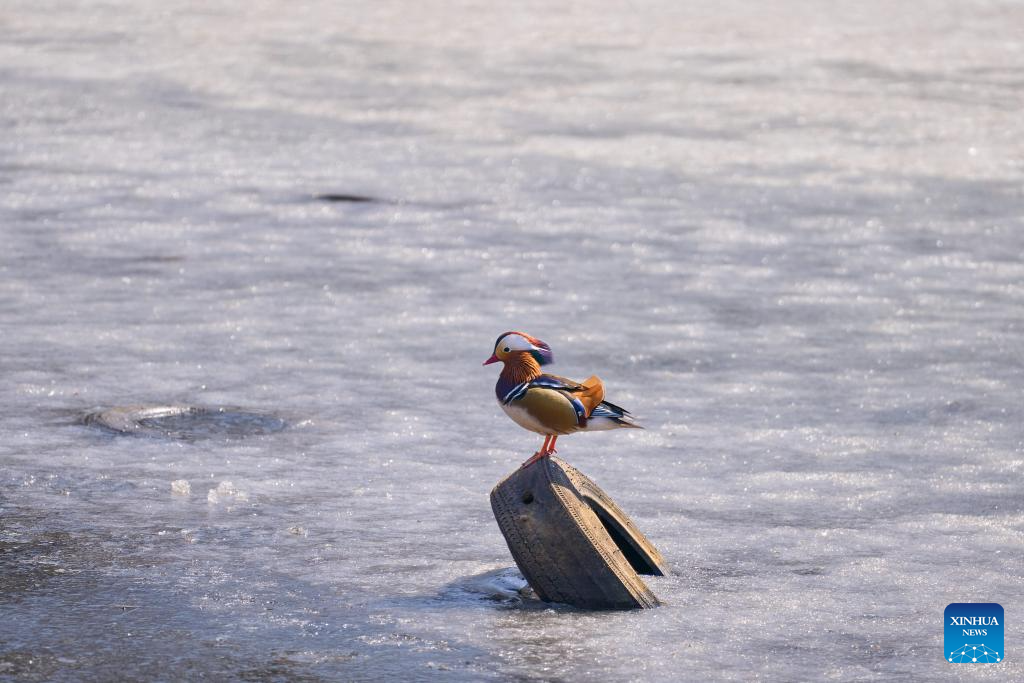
[
  {"x": 608, "y": 410},
  {"x": 552, "y": 382}
]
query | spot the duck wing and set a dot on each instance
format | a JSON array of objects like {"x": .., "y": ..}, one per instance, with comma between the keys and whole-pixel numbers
[{"x": 587, "y": 394}]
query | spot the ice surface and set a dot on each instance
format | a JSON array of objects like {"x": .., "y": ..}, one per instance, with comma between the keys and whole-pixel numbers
[{"x": 787, "y": 235}]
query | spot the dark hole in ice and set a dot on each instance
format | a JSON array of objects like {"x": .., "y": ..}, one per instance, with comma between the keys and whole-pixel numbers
[
  {"x": 636, "y": 559},
  {"x": 810, "y": 571},
  {"x": 528, "y": 497},
  {"x": 200, "y": 422},
  {"x": 186, "y": 422},
  {"x": 342, "y": 197}
]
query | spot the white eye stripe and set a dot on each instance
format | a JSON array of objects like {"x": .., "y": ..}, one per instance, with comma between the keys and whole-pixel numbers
[{"x": 516, "y": 342}]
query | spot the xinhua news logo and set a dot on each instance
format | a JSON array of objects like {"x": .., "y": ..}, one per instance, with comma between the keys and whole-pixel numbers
[{"x": 973, "y": 633}]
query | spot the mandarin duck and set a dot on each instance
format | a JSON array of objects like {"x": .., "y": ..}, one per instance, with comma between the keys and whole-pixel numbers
[{"x": 548, "y": 404}]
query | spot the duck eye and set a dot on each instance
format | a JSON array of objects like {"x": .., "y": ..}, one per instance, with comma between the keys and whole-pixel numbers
[{"x": 506, "y": 349}]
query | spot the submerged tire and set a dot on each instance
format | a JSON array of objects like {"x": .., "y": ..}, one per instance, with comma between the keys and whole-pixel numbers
[
  {"x": 130, "y": 419},
  {"x": 571, "y": 541},
  {"x": 188, "y": 423}
]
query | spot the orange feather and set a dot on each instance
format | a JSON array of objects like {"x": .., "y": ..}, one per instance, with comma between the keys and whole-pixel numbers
[{"x": 592, "y": 394}]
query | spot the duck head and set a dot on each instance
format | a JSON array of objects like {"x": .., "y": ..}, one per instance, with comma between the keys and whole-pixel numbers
[{"x": 510, "y": 344}]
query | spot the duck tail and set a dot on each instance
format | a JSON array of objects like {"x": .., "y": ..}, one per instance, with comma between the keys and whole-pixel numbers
[{"x": 617, "y": 416}]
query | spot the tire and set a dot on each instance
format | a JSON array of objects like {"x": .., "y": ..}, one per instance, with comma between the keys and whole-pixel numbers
[
  {"x": 188, "y": 423},
  {"x": 130, "y": 419},
  {"x": 570, "y": 540},
  {"x": 640, "y": 552}
]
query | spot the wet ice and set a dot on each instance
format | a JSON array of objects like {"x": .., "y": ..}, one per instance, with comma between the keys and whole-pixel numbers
[{"x": 788, "y": 238}]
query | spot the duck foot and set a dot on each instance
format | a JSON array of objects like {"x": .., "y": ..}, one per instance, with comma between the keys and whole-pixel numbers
[{"x": 534, "y": 458}]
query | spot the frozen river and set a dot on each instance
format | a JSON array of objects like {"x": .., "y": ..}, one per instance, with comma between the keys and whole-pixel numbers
[{"x": 789, "y": 237}]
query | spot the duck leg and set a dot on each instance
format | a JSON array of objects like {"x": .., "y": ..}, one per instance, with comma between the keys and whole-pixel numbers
[
  {"x": 539, "y": 454},
  {"x": 551, "y": 446}
]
